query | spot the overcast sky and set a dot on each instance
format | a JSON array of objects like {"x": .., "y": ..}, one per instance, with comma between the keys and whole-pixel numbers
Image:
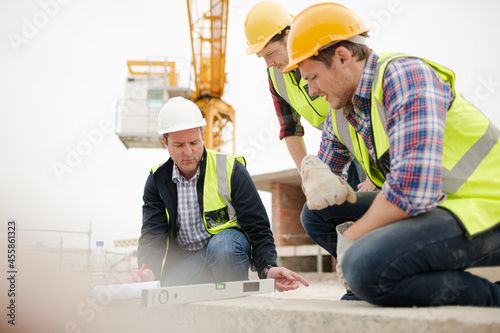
[{"x": 63, "y": 67}]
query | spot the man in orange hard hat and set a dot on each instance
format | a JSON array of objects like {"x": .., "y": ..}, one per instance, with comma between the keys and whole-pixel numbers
[
  {"x": 203, "y": 219},
  {"x": 434, "y": 155}
]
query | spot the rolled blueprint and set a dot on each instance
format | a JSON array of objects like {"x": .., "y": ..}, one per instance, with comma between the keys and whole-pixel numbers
[{"x": 125, "y": 290}]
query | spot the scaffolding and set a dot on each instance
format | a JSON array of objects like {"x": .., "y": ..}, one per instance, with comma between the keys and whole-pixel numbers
[{"x": 150, "y": 83}]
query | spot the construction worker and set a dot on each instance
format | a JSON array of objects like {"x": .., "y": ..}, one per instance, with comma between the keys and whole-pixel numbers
[
  {"x": 434, "y": 155},
  {"x": 203, "y": 219},
  {"x": 266, "y": 29}
]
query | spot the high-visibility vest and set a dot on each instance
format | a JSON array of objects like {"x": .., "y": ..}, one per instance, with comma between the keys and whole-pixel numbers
[
  {"x": 218, "y": 212},
  {"x": 471, "y": 152},
  {"x": 297, "y": 95}
]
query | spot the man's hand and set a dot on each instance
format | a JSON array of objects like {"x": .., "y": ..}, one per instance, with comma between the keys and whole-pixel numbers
[
  {"x": 366, "y": 186},
  {"x": 343, "y": 243},
  {"x": 285, "y": 278},
  {"x": 147, "y": 275},
  {"x": 321, "y": 186}
]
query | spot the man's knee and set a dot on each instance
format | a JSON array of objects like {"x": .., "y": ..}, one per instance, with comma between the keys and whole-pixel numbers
[
  {"x": 304, "y": 217},
  {"x": 230, "y": 244},
  {"x": 361, "y": 271}
]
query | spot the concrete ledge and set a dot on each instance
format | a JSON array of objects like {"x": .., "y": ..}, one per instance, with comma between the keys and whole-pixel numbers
[
  {"x": 269, "y": 314},
  {"x": 51, "y": 300},
  {"x": 313, "y": 309}
]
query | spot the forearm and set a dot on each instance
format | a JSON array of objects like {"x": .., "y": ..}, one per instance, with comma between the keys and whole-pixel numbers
[
  {"x": 296, "y": 148},
  {"x": 380, "y": 213}
]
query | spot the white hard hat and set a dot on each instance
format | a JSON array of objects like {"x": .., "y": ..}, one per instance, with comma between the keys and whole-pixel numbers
[{"x": 179, "y": 114}]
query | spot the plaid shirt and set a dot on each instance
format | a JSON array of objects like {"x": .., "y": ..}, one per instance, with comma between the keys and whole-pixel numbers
[
  {"x": 289, "y": 118},
  {"x": 416, "y": 100},
  {"x": 192, "y": 235}
]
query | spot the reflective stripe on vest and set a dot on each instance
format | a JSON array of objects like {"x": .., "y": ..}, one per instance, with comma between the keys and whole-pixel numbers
[
  {"x": 454, "y": 178},
  {"x": 218, "y": 212},
  {"x": 345, "y": 132},
  {"x": 297, "y": 96},
  {"x": 223, "y": 184}
]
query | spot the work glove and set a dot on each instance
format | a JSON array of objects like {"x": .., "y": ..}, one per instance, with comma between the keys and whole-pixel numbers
[
  {"x": 321, "y": 186},
  {"x": 343, "y": 244}
]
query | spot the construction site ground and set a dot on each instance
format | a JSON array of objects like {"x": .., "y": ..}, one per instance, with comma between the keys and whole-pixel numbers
[
  {"x": 314, "y": 309},
  {"x": 50, "y": 300}
]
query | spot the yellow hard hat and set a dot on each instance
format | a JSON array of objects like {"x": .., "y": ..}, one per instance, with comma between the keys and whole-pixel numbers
[
  {"x": 263, "y": 21},
  {"x": 317, "y": 26}
]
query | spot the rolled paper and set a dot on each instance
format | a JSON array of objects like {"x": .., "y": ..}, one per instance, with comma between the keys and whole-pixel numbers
[{"x": 125, "y": 290}]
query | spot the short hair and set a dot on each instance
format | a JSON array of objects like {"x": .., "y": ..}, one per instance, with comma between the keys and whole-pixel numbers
[
  {"x": 360, "y": 51},
  {"x": 280, "y": 36},
  {"x": 202, "y": 130}
]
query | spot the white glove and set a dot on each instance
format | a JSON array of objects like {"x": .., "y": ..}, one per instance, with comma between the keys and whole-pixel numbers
[
  {"x": 343, "y": 244},
  {"x": 321, "y": 186}
]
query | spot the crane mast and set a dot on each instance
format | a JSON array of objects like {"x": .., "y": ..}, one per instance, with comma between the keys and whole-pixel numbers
[{"x": 208, "y": 30}]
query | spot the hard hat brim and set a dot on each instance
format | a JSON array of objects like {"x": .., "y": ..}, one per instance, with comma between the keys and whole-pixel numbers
[
  {"x": 257, "y": 47},
  {"x": 289, "y": 67},
  {"x": 183, "y": 127}
]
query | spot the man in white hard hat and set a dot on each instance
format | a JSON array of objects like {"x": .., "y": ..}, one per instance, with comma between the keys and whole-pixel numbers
[{"x": 203, "y": 219}]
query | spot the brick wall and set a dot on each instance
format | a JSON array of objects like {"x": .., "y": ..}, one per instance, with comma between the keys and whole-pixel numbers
[{"x": 287, "y": 203}]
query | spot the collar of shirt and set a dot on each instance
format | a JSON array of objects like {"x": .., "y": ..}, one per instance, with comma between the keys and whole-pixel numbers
[
  {"x": 297, "y": 75},
  {"x": 360, "y": 115},
  {"x": 361, "y": 99},
  {"x": 178, "y": 178}
]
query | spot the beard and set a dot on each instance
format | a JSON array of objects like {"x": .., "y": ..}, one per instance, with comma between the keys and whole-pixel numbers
[{"x": 343, "y": 95}]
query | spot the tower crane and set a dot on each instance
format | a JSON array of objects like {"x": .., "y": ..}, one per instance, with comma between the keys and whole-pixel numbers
[
  {"x": 152, "y": 82},
  {"x": 208, "y": 44}
]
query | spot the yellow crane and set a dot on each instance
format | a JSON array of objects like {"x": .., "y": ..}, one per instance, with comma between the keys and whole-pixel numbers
[
  {"x": 208, "y": 44},
  {"x": 152, "y": 82}
]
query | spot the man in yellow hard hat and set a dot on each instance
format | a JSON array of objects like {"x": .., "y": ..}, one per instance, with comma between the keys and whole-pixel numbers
[
  {"x": 434, "y": 155},
  {"x": 203, "y": 220},
  {"x": 266, "y": 29}
]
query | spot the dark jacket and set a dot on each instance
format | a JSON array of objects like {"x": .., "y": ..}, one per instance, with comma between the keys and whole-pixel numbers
[{"x": 160, "y": 192}]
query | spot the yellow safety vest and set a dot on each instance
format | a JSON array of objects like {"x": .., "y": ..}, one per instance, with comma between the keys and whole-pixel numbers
[
  {"x": 471, "y": 152},
  {"x": 218, "y": 212},
  {"x": 297, "y": 96}
]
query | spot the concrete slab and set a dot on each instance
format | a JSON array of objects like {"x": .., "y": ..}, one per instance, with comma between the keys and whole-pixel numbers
[
  {"x": 313, "y": 309},
  {"x": 50, "y": 300}
]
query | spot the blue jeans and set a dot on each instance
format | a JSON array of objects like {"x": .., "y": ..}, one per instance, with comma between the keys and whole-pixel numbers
[
  {"x": 225, "y": 258},
  {"x": 421, "y": 261},
  {"x": 320, "y": 224},
  {"x": 417, "y": 261}
]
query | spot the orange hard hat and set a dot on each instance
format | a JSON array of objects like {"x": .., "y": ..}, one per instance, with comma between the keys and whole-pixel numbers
[{"x": 320, "y": 25}]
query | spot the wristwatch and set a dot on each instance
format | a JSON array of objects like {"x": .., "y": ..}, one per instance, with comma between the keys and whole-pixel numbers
[{"x": 263, "y": 272}]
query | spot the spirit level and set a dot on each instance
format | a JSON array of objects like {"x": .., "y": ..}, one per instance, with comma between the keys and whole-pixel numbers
[{"x": 205, "y": 292}]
